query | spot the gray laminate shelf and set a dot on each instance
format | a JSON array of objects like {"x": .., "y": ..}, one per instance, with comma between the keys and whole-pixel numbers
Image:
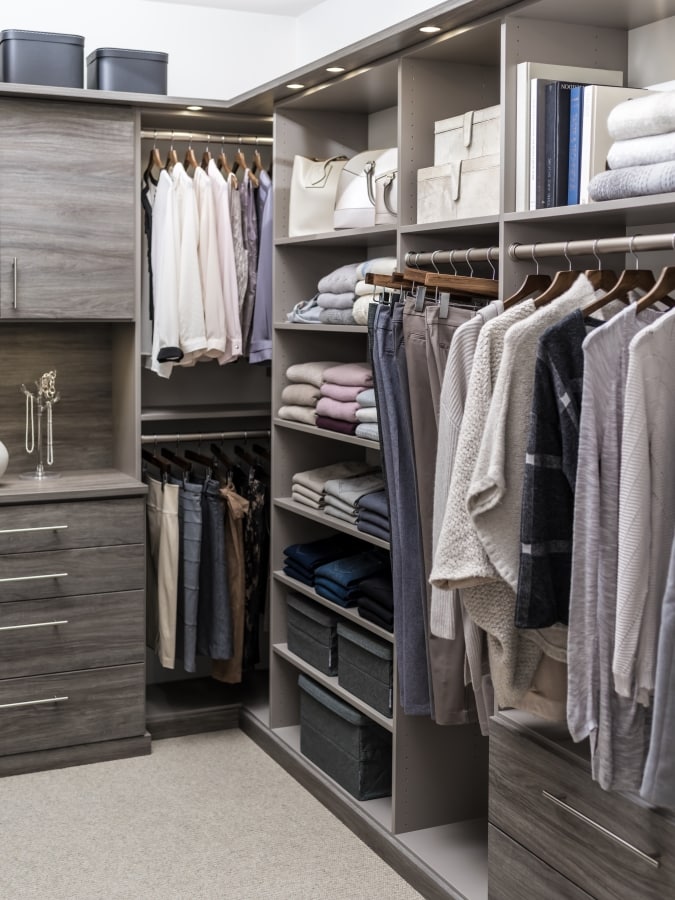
[
  {"x": 480, "y": 225},
  {"x": 652, "y": 210},
  {"x": 347, "y": 237},
  {"x": 349, "y": 613},
  {"x": 326, "y": 433},
  {"x": 328, "y": 521},
  {"x": 330, "y": 682},
  {"x": 84, "y": 484},
  {"x": 327, "y": 329}
]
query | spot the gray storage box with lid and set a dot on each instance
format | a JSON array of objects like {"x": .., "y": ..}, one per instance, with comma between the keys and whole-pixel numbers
[
  {"x": 342, "y": 742},
  {"x": 365, "y": 667},
  {"x": 312, "y": 634},
  {"x": 41, "y": 57},
  {"x": 138, "y": 71}
]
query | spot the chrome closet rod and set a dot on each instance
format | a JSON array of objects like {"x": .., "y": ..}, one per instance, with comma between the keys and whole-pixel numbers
[
  {"x": 184, "y": 437},
  {"x": 213, "y": 137},
  {"x": 452, "y": 257}
]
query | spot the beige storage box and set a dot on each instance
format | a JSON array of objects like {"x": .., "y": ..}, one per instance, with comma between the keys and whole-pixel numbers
[
  {"x": 459, "y": 190},
  {"x": 474, "y": 134}
]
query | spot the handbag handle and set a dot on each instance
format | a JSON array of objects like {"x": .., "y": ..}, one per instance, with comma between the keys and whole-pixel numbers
[
  {"x": 386, "y": 193},
  {"x": 369, "y": 170},
  {"x": 327, "y": 169}
]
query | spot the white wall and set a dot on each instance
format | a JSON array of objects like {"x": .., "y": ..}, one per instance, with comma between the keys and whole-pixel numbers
[{"x": 215, "y": 53}]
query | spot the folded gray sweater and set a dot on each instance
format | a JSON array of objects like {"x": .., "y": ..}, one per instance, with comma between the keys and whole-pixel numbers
[
  {"x": 337, "y": 301},
  {"x": 642, "y": 151},
  {"x": 634, "y": 181},
  {"x": 340, "y": 281},
  {"x": 337, "y": 317},
  {"x": 652, "y": 114}
]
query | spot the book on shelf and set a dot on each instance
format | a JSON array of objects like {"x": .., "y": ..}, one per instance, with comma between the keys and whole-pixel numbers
[
  {"x": 574, "y": 163},
  {"x": 556, "y": 142},
  {"x": 526, "y": 72},
  {"x": 598, "y": 101}
]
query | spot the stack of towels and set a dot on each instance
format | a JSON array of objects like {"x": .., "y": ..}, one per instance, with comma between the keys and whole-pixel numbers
[
  {"x": 372, "y": 514},
  {"x": 299, "y": 398},
  {"x": 343, "y": 495},
  {"x": 339, "y": 402},
  {"x": 642, "y": 158},
  {"x": 367, "y": 415},
  {"x": 375, "y": 600},
  {"x": 309, "y": 487},
  {"x": 343, "y": 295},
  {"x": 301, "y": 561},
  {"x": 340, "y": 580}
]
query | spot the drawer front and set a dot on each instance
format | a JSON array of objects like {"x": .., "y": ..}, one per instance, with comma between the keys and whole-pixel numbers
[
  {"x": 66, "y": 573},
  {"x": 515, "y": 874},
  {"x": 549, "y": 804},
  {"x": 48, "y": 711},
  {"x": 38, "y": 637},
  {"x": 63, "y": 526}
]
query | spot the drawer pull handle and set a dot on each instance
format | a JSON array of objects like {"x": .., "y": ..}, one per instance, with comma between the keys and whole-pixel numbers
[
  {"x": 34, "y": 625},
  {"x": 650, "y": 860},
  {"x": 34, "y": 577},
  {"x": 36, "y": 528},
  {"x": 33, "y": 702}
]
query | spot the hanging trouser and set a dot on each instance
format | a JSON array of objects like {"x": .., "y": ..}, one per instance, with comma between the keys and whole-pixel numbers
[
  {"x": 162, "y": 569},
  {"x": 214, "y": 624}
]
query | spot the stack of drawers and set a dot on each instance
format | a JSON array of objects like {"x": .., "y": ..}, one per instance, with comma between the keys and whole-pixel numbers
[{"x": 72, "y": 629}]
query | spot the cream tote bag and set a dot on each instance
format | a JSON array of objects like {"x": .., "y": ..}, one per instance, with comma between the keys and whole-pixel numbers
[
  {"x": 355, "y": 201},
  {"x": 312, "y": 199}
]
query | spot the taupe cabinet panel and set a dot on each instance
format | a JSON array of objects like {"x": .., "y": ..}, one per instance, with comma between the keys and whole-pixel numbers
[{"x": 68, "y": 201}]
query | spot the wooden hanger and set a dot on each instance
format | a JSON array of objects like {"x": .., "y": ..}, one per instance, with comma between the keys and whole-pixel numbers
[
  {"x": 160, "y": 464},
  {"x": 664, "y": 285},
  {"x": 261, "y": 451},
  {"x": 154, "y": 161},
  {"x": 464, "y": 284},
  {"x": 628, "y": 280},
  {"x": 257, "y": 162},
  {"x": 534, "y": 283},
  {"x": 182, "y": 463},
  {"x": 601, "y": 279},
  {"x": 171, "y": 157},
  {"x": 206, "y": 155},
  {"x": 190, "y": 158},
  {"x": 207, "y": 461},
  {"x": 562, "y": 281}
]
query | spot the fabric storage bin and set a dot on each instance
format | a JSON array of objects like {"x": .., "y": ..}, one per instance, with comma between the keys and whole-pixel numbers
[
  {"x": 458, "y": 190},
  {"x": 343, "y": 743},
  {"x": 312, "y": 634},
  {"x": 473, "y": 134},
  {"x": 365, "y": 667},
  {"x": 138, "y": 71},
  {"x": 41, "y": 57}
]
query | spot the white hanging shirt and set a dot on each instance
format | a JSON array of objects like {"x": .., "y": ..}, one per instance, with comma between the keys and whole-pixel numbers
[
  {"x": 209, "y": 266},
  {"x": 164, "y": 255},
  {"x": 186, "y": 230},
  {"x": 228, "y": 269}
]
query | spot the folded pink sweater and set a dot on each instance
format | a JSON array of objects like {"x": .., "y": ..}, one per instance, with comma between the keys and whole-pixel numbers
[
  {"x": 350, "y": 374},
  {"x": 340, "y": 391},
  {"x": 335, "y": 409}
]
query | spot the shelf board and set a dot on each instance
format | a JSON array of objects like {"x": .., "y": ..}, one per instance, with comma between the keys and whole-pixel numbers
[
  {"x": 325, "y": 433},
  {"x": 207, "y": 411},
  {"x": 379, "y": 810},
  {"x": 458, "y": 853},
  {"x": 330, "y": 682},
  {"x": 301, "y": 326},
  {"x": 328, "y": 521},
  {"x": 350, "y": 613},
  {"x": 657, "y": 209},
  {"x": 487, "y": 225},
  {"x": 71, "y": 485},
  {"x": 345, "y": 237}
]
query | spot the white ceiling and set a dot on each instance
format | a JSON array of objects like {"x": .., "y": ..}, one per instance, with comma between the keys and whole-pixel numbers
[{"x": 271, "y": 7}]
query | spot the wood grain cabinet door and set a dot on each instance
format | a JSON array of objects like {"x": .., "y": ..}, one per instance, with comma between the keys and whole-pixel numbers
[{"x": 67, "y": 211}]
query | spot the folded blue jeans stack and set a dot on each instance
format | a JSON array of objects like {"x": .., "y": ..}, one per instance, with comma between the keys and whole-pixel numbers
[
  {"x": 373, "y": 515},
  {"x": 302, "y": 560},
  {"x": 340, "y": 580},
  {"x": 375, "y": 601}
]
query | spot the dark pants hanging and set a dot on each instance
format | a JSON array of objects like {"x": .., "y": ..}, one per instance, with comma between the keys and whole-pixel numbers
[{"x": 214, "y": 627}]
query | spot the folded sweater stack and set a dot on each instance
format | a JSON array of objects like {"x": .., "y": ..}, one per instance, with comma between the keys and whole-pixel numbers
[
  {"x": 366, "y": 414},
  {"x": 375, "y": 600},
  {"x": 338, "y": 405},
  {"x": 372, "y": 515},
  {"x": 340, "y": 580},
  {"x": 309, "y": 487},
  {"x": 342, "y": 495},
  {"x": 299, "y": 398},
  {"x": 642, "y": 158},
  {"x": 302, "y": 560}
]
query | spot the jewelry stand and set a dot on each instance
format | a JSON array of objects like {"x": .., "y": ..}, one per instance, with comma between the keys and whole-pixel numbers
[{"x": 45, "y": 398}]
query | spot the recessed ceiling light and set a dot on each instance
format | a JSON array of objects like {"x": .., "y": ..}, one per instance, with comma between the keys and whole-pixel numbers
[
  {"x": 194, "y": 108},
  {"x": 430, "y": 29},
  {"x": 335, "y": 69},
  {"x": 295, "y": 86}
]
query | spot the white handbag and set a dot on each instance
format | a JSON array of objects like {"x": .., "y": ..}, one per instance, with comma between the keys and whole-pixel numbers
[
  {"x": 312, "y": 198},
  {"x": 355, "y": 200},
  {"x": 386, "y": 188}
]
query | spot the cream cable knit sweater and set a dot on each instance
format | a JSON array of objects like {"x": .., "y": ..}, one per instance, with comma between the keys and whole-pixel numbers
[{"x": 495, "y": 493}]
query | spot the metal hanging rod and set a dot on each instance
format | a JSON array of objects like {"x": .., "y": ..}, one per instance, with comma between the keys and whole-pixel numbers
[
  {"x": 637, "y": 243},
  {"x": 203, "y": 436},
  {"x": 203, "y": 137}
]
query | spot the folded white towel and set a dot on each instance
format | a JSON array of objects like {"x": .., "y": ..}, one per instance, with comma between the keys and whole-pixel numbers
[
  {"x": 642, "y": 151},
  {"x": 651, "y": 114}
]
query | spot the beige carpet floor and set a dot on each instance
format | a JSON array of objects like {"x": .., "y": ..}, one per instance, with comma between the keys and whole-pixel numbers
[{"x": 205, "y": 817}]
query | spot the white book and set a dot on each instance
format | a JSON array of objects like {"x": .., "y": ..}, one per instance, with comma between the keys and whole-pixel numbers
[
  {"x": 525, "y": 72},
  {"x": 599, "y": 101}
]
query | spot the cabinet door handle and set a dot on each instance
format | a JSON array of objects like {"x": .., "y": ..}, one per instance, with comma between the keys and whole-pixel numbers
[
  {"x": 34, "y": 577},
  {"x": 33, "y": 702},
  {"x": 15, "y": 267},
  {"x": 35, "y": 528},
  {"x": 34, "y": 625},
  {"x": 559, "y": 801}
]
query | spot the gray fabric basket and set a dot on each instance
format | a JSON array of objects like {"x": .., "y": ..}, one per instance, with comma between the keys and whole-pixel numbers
[
  {"x": 345, "y": 744},
  {"x": 312, "y": 634},
  {"x": 365, "y": 667}
]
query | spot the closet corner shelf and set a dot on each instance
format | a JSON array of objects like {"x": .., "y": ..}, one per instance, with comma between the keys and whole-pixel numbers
[
  {"x": 327, "y": 329},
  {"x": 325, "y": 433},
  {"x": 186, "y": 413},
  {"x": 379, "y": 810},
  {"x": 479, "y": 225},
  {"x": 656, "y": 209},
  {"x": 329, "y": 521},
  {"x": 330, "y": 682},
  {"x": 348, "y": 237},
  {"x": 71, "y": 485},
  {"x": 350, "y": 613}
]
